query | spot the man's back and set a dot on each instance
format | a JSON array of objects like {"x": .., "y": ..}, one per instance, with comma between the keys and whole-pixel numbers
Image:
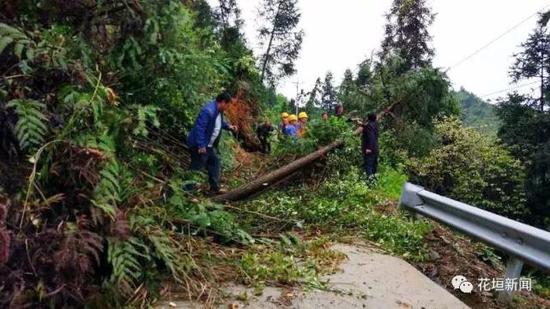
[{"x": 370, "y": 137}]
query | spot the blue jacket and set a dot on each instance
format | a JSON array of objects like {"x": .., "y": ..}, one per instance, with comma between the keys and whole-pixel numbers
[
  {"x": 290, "y": 130},
  {"x": 201, "y": 133}
]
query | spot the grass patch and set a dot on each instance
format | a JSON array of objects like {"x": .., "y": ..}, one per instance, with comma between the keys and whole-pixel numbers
[
  {"x": 344, "y": 204},
  {"x": 289, "y": 262}
]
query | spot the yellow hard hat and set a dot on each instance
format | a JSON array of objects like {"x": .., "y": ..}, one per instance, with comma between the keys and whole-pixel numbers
[
  {"x": 284, "y": 115},
  {"x": 292, "y": 118},
  {"x": 302, "y": 115}
]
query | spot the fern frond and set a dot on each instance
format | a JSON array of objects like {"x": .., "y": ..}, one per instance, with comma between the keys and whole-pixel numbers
[
  {"x": 165, "y": 250},
  {"x": 13, "y": 36},
  {"x": 31, "y": 127},
  {"x": 124, "y": 258},
  {"x": 113, "y": 188},
  {"x": 144, "y": 114},
  {"x": 104, "y": 142},
  {"x": 107, "y": 191}
]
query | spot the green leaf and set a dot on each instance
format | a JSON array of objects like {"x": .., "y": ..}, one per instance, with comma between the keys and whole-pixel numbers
[
  {"x": 18, "y": 49},
  {"x": 4, "y": 42}
]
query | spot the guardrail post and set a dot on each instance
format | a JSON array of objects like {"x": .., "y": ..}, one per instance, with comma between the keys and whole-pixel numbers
[
  {"x": 513, "y": 272},
  {"x": 410, "y": 197}
]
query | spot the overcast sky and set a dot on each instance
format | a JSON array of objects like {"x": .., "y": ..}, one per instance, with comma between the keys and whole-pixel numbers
[{"x": 340, "y": 34}]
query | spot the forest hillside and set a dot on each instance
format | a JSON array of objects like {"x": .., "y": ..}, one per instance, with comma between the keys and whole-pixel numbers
[
  {"x": 478, "y": 114},
  {"x": 101, "y": 201}
]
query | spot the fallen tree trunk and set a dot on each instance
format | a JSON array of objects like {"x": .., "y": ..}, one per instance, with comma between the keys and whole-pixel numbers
[
  {"x": 274, "y": 177},
  {"x": 279, "y": 175}
]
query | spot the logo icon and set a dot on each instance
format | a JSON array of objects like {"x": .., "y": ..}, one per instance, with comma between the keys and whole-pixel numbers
[{"x": 461, "y": 283}]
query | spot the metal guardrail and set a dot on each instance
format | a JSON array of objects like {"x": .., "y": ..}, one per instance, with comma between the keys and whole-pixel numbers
[{"x": 522, "y": 242}]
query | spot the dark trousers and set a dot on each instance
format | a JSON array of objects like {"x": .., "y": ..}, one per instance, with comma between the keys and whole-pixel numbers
[
  {"x": 370, "y": 163},
  {"x": 265, "y": 145},
  {"x": 211, "y": 161}
]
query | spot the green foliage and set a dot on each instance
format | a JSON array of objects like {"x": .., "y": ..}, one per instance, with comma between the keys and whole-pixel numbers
[
  {"x": 318, "y": 133},
  {"x": 291, "y": 262},
  {"x": 391, "y": 181},
  {"x": 314, "y": 97},
  {"x": 478, "y": 114},
  {"x": 13, "y": 37},
  {"x": 526, "y": 120},
  {"x": 526, "y": 132},
  {"x": 227, "y": 152},
  {"x": 532, "y": 61},
  {"x": 400, "y": 144},
  {"x": 31, "y": 127},
  {"x": 541, "y": 285},
  {"x": 192, "y": 64},
  {"x": 345, "y": 204},
  {"x": 328, "y": 93},
  {"x": 112, "y": 188},
  {"x": 469, "y": 167},
  {"x": 414, "y": 99},
  {"x": 164, "y": 248},
  {"x": 287, "y": 147},
  {"x": 280, "y": 37},
  {"x": 106, "y": 82},
  {"x": 275, "y": 267},
  {"x": 407, "y": 35},
  {"x": 399, "y": 235},
  {"x": 146, "y": 114},
  {"x": 488, "y": 255},
  {"x": 124, "y": 258},
  {"x": 204, "y": 216}
]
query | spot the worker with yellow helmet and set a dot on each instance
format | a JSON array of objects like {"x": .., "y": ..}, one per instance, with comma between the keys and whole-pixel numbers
[
  {"x": 284, "y": 122},
  {"x": 301, "y": 124},
  {"x": 290, "y": 128}
]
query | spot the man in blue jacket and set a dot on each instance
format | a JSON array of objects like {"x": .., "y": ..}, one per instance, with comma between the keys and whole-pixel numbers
[{"x": 205, "y": 136}]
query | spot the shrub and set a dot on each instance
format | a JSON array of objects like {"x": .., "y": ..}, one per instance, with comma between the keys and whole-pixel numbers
[{"x": 471, "y": 168}]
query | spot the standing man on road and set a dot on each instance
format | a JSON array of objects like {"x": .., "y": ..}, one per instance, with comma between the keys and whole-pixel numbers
[
  {"x": 370, "y": 146},
  {"x": 205, "y": 137}
]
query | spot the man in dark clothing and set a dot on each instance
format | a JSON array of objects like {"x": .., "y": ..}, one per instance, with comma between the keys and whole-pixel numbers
[
  {"x": 339, "y": 110},
  {"x": 263, "y": 131},
  {"x": 205, "y": 137},
  {"x": 370, "y": 145}
]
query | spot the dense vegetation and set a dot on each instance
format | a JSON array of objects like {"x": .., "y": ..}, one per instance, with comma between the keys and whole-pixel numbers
[
  {"x": 478, "y": 114},
  {"x": 526, "y": 121},
  {"x": 97, "y": 96}
]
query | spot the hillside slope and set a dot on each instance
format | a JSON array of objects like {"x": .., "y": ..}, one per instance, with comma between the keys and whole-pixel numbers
[{"x": 477, "y": 113}]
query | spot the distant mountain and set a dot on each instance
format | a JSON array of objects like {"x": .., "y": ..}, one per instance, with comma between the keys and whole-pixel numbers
[{"x": 477, "y": 113}]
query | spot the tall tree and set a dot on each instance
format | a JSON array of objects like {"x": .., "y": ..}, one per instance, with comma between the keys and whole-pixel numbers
[
  {"x": 314, "y": 99},
  {"x": 229, "y": 14},
  {"x": 526, "y": 122},
  {"x": 526, "y": 132},
  {"x": 364, "y": 74},
  {"x": 328, "y": 99},
  {"x": 280, "y": 37},
  {"x": 205, "y": 17},
  {"x": 229, "y": 24},
  {"x": 407, "y": 34},
  {"x": 347, "y": 88},
  {"x": 534, "y": 60}
]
